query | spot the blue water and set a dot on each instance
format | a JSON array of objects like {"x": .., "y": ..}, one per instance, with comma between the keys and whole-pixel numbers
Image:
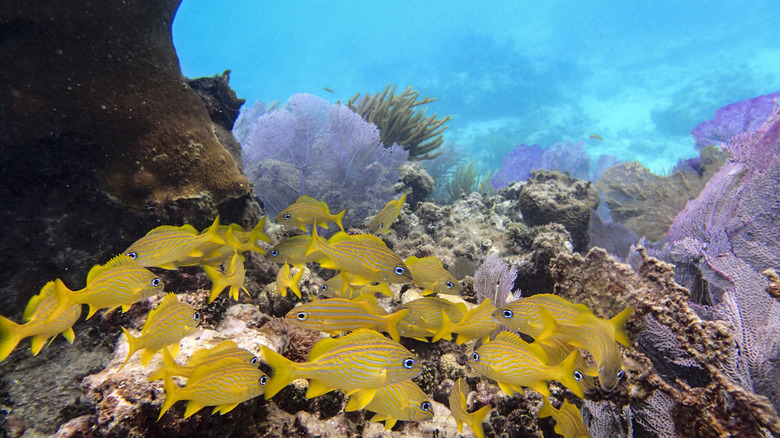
[{"x": 641, "y": 74}]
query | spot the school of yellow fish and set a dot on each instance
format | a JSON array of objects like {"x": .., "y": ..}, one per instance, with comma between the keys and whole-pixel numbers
[{"x": 374, "y": 371}]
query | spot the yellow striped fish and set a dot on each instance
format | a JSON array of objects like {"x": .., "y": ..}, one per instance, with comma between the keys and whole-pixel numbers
[
  {"x": 568, "y": 419},
  {"x": 403, "y": 401},
  {"x": 233, "y": 275},
  {"x": 361, "y": 255},
  {"x": 223, "y": 384},
  {"x": 430, "y": 316},
  {"x": 120, "y": 282},
  {"x": 307, "y": 211},
  {"x": 285, "y": 280},
  {"x": 382, "y": 221},
  {"x": 338, "y": 315},
  {"x": 167, "y": 246},
  {"x": 40, "y": 322},
  {"x": 226, "y": 351},
  {"x": 291, "y": 250},
  {"x": 429, "y": 274},
  {"x": 165, "y": 325},
  {"x": 513, "y": 363},
  {"x": 356, "y": 364},
  {"x": 459, "y": 410},
  {"x": 339, "y": 287},
  {"x": 598, "y": 337},
  {"x": 478, "y": 323},
  {"x": 523, "y": 315},
  {"x": 557, "y": 349}
]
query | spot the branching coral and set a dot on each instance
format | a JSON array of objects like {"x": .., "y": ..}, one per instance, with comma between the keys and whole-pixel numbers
[{"x": 398, "y": 122}]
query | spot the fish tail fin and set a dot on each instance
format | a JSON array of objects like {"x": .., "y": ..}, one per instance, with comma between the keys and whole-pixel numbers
[
  {"x": 63, "y": 296},
  {"x": 445, "y": 331},
  {"x": 213, "y": 232},
  {"x": 315, "y": 244},
  {"x": 258, "y": 233},
  {"x": 172, "y": 395},
  {"x": 546, "y": 409},
  {"x": 218, "y": 282},
  {"x": 549, "y": 325},
  {"x": 10, "y": 335},
  {"x": 566, "y": 370},
  {"x": 284, "y": 371},
  {"x": 131, "y": 346},
  {"x": 339, "y": 217},
  {"x": 619, "y": 322},
  {"x": 168, "y": 368},
  {"x": 391, "y": 323},
  {"x": 294, "y": 280},
  {"x": 477, "y": 417}
]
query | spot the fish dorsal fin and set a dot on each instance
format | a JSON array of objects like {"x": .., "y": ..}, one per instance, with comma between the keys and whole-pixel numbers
[
  {"x": 513, "y": 339},
  {"x": 340, "y": 236},
  {"x": 309, "y": 200},
  {"x": 411, "y": 260},
  {"x": 368, "y": 298},
  {"x": 204, "y": 370},
  {"x": 120, "y": 260},
  {"x": 35, "y": 301},
  {"x": 169, "y": 300},
  {"x": 327, "y": 344},
  {"x": 163, "y": 229},
  {"x": 205, "y": 353},
  {"x": 189, "y": 229}
]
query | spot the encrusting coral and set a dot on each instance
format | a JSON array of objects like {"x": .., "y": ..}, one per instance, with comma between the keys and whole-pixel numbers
[{"x": 398, "y": 122}]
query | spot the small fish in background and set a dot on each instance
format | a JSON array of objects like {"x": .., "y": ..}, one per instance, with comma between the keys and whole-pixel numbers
[
  {"x": 328, "y": 89},
  {"x": 381, "y": 222},
  {"x": 119, "y": 283},
  {"x": 459, "y": 410},
  {"x": 226, "y": 351},
  {"x": 338, "y": 315},
  {"x": 40, "y": 322},
  {"x": 513, "y": 363},
  {"x": 403, "y": 401},
  {"x": 308, "y": 211},
  {"x": 596, "y": 137},
  {"x": 165, "y": 326},
  {"x": 478, "y": 323},
  {"x": 357, "y": 364},
  {"x": 170, "y": 247},
  {"x": 568, "y": 419},
  {"x": 223, "y": 384},
  {"x": 285, "y": 280},
  {"x": 233, "y": 275},
  {"x": 291, "y": 250},
  {"x": 363, "y": 256},
  {"x": 429, "y": 274},
  {"x": 430, "y": 317},
  {"x": 524, "y": 315},
  {"x": 236, "y": 239},
  {"x": 339, "y": 286}
]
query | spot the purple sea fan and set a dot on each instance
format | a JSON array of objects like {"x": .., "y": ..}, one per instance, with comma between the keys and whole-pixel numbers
[
  {"x": 321, "y": 150},
  {"x": 517, "y": 165},
  {"x": 733, "y": 119}
]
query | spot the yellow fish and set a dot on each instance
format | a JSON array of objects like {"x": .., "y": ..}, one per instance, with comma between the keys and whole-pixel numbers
[
  {"x": 382, "y": 221},
  {"x": 356, "y": 364},
  {"x": 362, "y": 255},
  {"x": 307, "y": 211},
  {"x": 568, "y": 420},
  {"x": 459, "y": 410},
  {"x": 596, "y": 137},
  {"x": 339, "y": 286},
  {"x": 598, "y": 337},
  {"x": 285, "y": 280},
  {"x": 291, "y": 250},
  {"x": 327, "y": 89},
  {"x": 557, "y": 349},
  {"x": 430, "y": 316},
  {"x": 524, "y": 315},
  {"x": 40, "y": 322},
  {"x": 168, "y": 246},
  {"x": 403, "y": 401},
  {"x": 429, "y": 274},
  {"x": 165, "y": 325},
  {"x": 233, "y": 276},
  {"x": 338, "y": 315},
  {"x": 120, "y": 282},
  {"x": 478, "y": 323},
  {"x": 513, "y": 363},
  {"x": 223, "y": 384},
  {"x": 224, "y": 351}
]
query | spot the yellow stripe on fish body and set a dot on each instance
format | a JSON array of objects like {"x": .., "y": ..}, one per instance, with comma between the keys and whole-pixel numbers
[
  {"x": 523, "y": 315},
  {"x": 291, "y": 250},
  {"x": 361, "y": 255},
  {"x": 41, "y": 321},
  {"x": 285, "y": 280},
  {"x": 477, "y": 324},
  {"x": 558, "y": 349},
  {"x": 459, "y": 410},
  {"x": 165, "y": 325},
  {"x": 167, "y": 246},
  {"x": 223, "y": 384},
  {"x": 120, "y": 282},
  {"x": 337, "y": 315},
  {"x": 513, "y": 363},
  {"x": 430, "y": 316},
  {"x": 357, "y": 364},
  {"x": 307, "y": 211},
  {"x": 233, "y": 276},
  {"x": 568, "y": 419},
  {"x": 381, "y": 222},
  {"x": 224, "y": 351},
  {"x": 429, "y": 274},
  {"x": 403, "y": 401}
]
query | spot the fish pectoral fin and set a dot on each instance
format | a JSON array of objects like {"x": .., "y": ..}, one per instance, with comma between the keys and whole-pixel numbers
[
  {"x": 540, "y": 387},
  {"x": 389, "y": 423},
  {"x": 38, "y": 342},
  {"x": 192, "y": 407},
  {"x": 509, "y": 389},
  {"x": 69, "y": 335},
  {"x": 317, "y": 388},
  {"x": 224, "y": 409},
  {"x": 146, "y": 356},
  {"x": 364, "y": 397},
  {"x": 126, "y": 307}
]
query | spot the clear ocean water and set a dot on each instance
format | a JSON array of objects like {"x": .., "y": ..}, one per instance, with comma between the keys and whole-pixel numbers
[{"x": 640, "y": 74}]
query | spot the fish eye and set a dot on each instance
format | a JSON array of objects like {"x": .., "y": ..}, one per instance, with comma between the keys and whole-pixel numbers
[
  {"x": 302, "y": 316},
  {"x": 620, "y": 374},
  {"x": 408, "y": 363},
  {"x": 324, "y": 287},
  {"x": 382, "y": 225},
  {"x": 475, "y": 357},
  {"x": 254, "y": 361},
  {"x": 508, "y": 313},
  {"x": 399, "y": 270},
  {"x": 155, "y": 282},
  {"x": 263, "y": 380},
  {"x": 132, "y": 255},
  {"x": 578, "y": 376},
  {"x": 287, "y": 216},
  {"x": 425, "y": 406},
  {"x": 449, "y": 285},
  {"x": 196, "y": 316},
  {"x": 274, "y": 253}
]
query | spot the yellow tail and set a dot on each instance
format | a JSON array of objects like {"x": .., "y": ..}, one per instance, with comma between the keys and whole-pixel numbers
[
  {"x": 10, "y": 335},
  {"x": 171, "y": 395},
  {"x": 391, "y": 323},
  {"x": 477, "y": 417},
  {"x": 131, "y": 347},
  {"x": 284, "y": 371},
  {"x": 566, "y": 373}
]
